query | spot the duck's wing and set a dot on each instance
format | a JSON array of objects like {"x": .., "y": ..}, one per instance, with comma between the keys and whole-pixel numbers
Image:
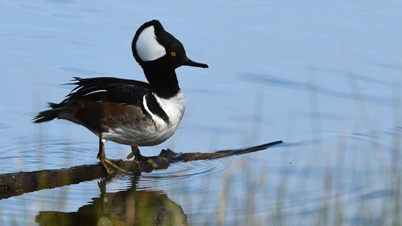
[{"x": 107, "y": 89}]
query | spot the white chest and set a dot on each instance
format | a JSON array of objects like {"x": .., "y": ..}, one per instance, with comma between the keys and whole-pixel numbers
[
  {"x": 173, "y": 107},
  {"x": 154, "y": 133}
]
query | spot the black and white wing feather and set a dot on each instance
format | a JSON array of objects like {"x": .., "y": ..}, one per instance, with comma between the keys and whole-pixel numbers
[
  {"x": 105, "y": 89},
  {"x": 108, "y": 89}
]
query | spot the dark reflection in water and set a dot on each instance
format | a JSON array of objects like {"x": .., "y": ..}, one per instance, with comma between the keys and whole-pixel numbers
[{"x": 129, "y": 207}]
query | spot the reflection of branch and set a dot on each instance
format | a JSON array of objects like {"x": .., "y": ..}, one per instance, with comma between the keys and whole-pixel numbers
[
  {"x": 130, "y": 207},
  {"x": 13, "y": 184}
]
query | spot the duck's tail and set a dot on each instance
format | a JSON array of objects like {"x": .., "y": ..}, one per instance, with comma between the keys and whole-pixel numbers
[{"x": 48, "y": 115}]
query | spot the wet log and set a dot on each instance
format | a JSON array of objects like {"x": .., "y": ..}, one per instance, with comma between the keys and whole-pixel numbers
[{"x": 13, "y": 184}]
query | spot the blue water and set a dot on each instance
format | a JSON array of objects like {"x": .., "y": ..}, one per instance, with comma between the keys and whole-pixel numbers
[{"x": 323, "y": 76}]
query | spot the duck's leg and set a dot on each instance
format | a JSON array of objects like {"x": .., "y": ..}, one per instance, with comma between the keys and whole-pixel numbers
[
  {"x": 129, "y": 156},
  {"x": 101, "y": 156},
  {"x": 136, "y": 152}
]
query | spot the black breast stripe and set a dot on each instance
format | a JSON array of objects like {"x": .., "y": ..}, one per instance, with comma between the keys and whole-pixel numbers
[
  {"x": 146, "y": 113},
  {"x": 155, "y": 108}
]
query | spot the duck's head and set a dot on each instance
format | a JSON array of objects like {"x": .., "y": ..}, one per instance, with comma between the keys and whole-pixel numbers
[{"x": 152, "y": 46}]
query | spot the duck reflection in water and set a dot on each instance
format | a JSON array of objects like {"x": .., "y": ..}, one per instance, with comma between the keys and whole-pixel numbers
[{"x": 130, "y": 207}]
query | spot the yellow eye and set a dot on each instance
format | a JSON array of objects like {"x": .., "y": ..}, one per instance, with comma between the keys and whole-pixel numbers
[{"x": 173, "y": 54}]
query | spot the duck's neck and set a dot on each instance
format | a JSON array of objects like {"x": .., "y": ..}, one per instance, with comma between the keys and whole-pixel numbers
[{"x": 163, "y": 82}]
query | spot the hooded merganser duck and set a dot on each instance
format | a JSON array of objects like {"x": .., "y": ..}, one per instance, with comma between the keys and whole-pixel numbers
[{"x": 131, "y": 112}]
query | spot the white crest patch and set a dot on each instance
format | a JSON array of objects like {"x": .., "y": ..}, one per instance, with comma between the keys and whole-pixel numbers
[{"x": 148, "y": 48}]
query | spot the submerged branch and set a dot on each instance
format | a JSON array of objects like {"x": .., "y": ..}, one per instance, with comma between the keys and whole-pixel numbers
[{"x": 13, "y": 184}]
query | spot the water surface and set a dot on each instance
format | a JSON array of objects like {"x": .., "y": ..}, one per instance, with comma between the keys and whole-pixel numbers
[{"x": 324, "y": 77}]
